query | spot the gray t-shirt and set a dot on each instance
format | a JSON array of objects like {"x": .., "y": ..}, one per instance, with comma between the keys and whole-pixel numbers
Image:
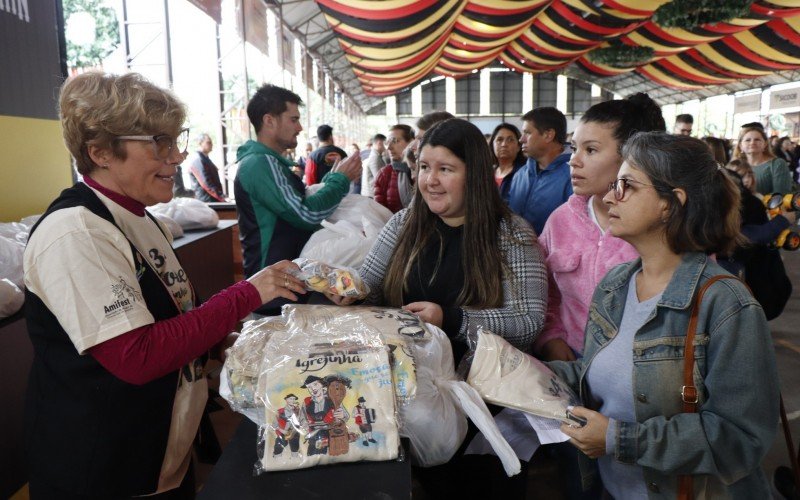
[{"x": 610, "y": 380}]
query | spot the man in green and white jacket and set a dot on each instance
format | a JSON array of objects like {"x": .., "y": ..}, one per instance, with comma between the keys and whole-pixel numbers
[{"x": 276, "y": 219}]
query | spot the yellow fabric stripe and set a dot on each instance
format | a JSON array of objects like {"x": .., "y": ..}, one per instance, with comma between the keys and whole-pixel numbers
[
  {"x": 671, "y": 81},
  {"x": 691, "y": 38},
  {"x": 750, "y": 41},
  {"x": 492, "y": 30},
  {"x": 434, "y": 18},
  {"x": 509, "y": 4},
  {"x": 425, "y": 63},
  {"x": 529, "y": 56},
  {"x": 383, "y": 53},
  {"x": 677, "y": 61},
  {"x": 646, "y": 42},
  {"x": 534, "y": 37},
  {"x": 373, "y": 5},
  {"x": 723, "y": 62},
  {"x": 558, "y": 29}
]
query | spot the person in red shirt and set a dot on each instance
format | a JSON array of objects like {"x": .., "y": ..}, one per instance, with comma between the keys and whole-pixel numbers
[{"x": 393, "y": 186}]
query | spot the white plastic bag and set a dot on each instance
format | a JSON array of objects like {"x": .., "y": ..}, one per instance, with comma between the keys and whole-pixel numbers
[
  {"x": 349, "y": 233},
  {"x": 435, "y": 420},
  {"x": 188, "y": 213},
  {"x": 361, "y": 211},
  {"x": 174, "y": 228},
  {"x": 11, "y": 298},
  {"x": 341, "y": 244},
  {"x": 11, "y": 251}
]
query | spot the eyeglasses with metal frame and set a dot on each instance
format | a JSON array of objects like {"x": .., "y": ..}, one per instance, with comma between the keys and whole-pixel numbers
[{"x": 620, "y": 186}]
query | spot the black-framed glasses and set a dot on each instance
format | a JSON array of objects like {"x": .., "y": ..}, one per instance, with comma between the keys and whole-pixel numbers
[
  {"x": 620, "y": 185},
  {"x": 163, "y": 144}
]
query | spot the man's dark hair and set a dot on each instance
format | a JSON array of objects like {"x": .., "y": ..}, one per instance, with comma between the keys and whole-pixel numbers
[
  {"x": 324, "y": 132},
  {"x": 269, "y": 100},
  {"x": 379, "y": 137},
  {"x": 548, "y": 118},
  {"x": 428, "y": 120},
  {"x": 684, "y": 118}
]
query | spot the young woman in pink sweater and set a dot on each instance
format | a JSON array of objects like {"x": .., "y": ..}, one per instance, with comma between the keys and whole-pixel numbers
[{"x": 579, "y": 250}]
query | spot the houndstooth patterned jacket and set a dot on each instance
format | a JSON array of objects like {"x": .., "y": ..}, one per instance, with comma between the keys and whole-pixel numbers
[{"x": 520, "y": 319}]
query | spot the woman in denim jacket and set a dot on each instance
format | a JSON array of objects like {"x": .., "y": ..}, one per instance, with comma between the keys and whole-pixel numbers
[{"x": 674, "y": 206}]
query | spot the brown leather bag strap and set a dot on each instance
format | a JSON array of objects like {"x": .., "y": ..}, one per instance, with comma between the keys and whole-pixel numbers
[{"x": 689, "y": 394}]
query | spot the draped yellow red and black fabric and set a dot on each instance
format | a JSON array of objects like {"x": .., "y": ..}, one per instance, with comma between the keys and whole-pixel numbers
[{"x": 394, "y": 44}]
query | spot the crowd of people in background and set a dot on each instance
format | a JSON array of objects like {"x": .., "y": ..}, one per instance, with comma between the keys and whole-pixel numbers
[{"x": 586, "y": 248}]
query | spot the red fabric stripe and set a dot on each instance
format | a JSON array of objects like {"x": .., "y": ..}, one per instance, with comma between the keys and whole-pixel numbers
[
  {"x": 577, "y": 20},
  {"x": 627, "y": 10},
  {"x": 584, "y": 61},
  {"x": 643, "y": 71},
  {"x": 480, "y": 9},
  {"x": 487, "y": 36},
  {"x": 724, "y": 28},
  {"x": 540, "y": 25},
  {"x": 774, "y": 12},
  {"x": 702, "y": 60},
  {"x": 667, "y": 65},
  {"x": 378, "y": 14},
  {"x": 783, "y": 29}
]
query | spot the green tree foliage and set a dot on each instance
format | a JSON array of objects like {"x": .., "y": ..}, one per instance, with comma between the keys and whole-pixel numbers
[{"x": 106, "y": 33}]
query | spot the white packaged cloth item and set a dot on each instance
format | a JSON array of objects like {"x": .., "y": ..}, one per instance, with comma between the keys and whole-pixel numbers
[
  {"x": 333, "y": 403},
  {"x": 382, "y": 321},
  {"x": 506, "y": 376},
  {"x": 397, "y": 329},
  {"x": 188, "y": 213}
]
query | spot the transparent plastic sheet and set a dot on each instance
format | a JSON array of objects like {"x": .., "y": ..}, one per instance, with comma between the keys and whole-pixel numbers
[
  {"x": 328, "y": 397},
  {"x": 506, "y": 376},
  {"x": 320, "y": 277},
  {"x": 396, "y": 328},
  {"x": 239, "y": 375},
  {"x": 435, "y": 421}
]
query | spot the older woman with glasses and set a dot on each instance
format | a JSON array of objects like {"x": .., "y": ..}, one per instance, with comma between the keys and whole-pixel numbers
[
  {"x": 654, "y": 433},
  {"x": 117, "y": 386}
]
